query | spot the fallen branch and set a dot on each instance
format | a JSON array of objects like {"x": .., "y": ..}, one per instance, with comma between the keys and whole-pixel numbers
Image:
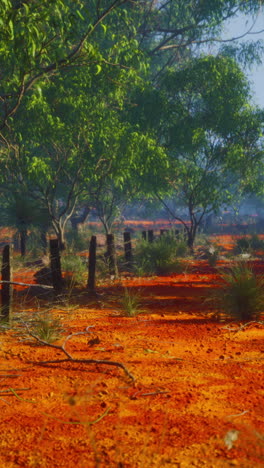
[
  {"x": 14, "y": 392},
  {"x": 158, "y": 392},
  {"x": 241, "y": 327},
  {"x": 70, "y": 358},
  {"x": 46, "y": 286}
]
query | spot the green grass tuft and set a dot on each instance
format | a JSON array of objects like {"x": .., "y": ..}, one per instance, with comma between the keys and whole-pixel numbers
[{"x": 241, "y": 295}]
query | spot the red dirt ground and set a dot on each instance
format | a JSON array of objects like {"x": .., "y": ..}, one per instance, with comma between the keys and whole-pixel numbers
[{"x": 197, "y": 398}]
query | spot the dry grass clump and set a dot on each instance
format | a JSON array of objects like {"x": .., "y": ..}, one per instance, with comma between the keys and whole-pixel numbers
[{"x": 241, "y": 295}]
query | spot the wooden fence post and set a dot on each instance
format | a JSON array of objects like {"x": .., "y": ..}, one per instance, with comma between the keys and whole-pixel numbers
[
  {"x": 55, "y": 265},
  {"x": 16, "y": 242},
  {"x": 150, "y": 235},
  {"x": 7, "y": 288},
  {"x": 111, "y": 255},
  {"x": 128, "y": 248},
  {"x": 92, "y": 264}
]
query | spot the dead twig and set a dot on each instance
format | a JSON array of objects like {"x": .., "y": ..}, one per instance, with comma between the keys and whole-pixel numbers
[
  {"x": 239, "y": 414},
  {"x": 45, "y": 286},
  {"x": 19, "y": 397},
  {"x": 236, "y": 329},
  {"x": 89, "y": 423},
  {"x": 70, "y": 358},
  {"x": 12, "y": 390},
  {"x": 157, "y": 392},
  {"x": 5, "y": 401}
]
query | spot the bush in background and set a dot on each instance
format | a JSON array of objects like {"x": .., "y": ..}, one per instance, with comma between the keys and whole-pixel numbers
[
  {"x": 159, "y": 256},
  {"x": 241, "y": 295},
  {"x": 248, "y": 244},
  {"x": 77, "y": 241},
  {"x": 74, "y": 267}
]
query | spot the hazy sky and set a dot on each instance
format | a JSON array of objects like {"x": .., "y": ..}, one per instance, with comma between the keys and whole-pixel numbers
[{"x": 256, "y": 74}]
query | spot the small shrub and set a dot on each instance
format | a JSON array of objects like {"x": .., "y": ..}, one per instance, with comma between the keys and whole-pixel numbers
[
  {"x": 256, "y": 243},
  {"x": 102, "y": 267},
  {"x": 212, "y": 254},
  {"x": 74, "y": 267},
  {"x": 248, "y": 244},
  {"x": 47, "y": 328},
  {"x": 77, "y": 241},
  {"x": 241, "y": 295},
  {"x": 242, "y": 245},
  {"x": 157, "y": 257},
  {"x": 130, "y": 303},
  {"x": 34, "y": 247},
  {"x": 181, "y": 248}
]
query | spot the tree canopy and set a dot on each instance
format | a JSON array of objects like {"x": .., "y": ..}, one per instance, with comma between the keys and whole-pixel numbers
[{"x": 122, "y": 96}]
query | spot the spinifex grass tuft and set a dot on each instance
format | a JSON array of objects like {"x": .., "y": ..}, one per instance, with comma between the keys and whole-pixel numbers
[
  {"x": 47, "y": 328},
  {"x": 241, "y": 295},
  {"x": 158, "y": 257},
  {"x": 130, "y": 303},
  {"x": 248, "y": 244}
]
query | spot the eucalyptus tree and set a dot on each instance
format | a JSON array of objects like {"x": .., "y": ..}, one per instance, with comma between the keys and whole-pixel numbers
[
  {"x": 73, "y": 137},
  {"x": 40, "y": 39},
  {"x": 172, "y": 32},
  {"x": 213, "y": 138}
]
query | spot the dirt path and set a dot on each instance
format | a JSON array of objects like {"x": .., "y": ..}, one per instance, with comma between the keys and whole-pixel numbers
[{"x": 197, "y": 400}]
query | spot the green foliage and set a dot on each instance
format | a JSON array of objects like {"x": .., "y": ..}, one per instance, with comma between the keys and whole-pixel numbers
[
  {"x": 246, "y": 54},
  {"x": 130, "y": 303},
  {"x": 77, "y": 241},
  {"x": 157, "y": 257},
  {"x": 212, "y": 136},
  {"x": 74, "y": 267},
  {"x": 33, "y": 52},
  {"x": 21, "y": 211},
  {"x": 248, "y": 244},
  {"x": 241, "y": 295},
  {"x": 181, "y": 247},
  {"x": 87, "y": 115},
  {"x": 47, "y": 328},
  {"x": 102, "y": 267},
  {"x": 172, "y": 30}
]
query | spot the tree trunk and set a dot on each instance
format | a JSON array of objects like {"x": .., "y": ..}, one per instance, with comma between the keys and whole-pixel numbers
[
  {"x": 92, "y": 265},
  {"x": 77, "y": 220},
  {"x": 61, "y": 240},
  {"x": 23, "y": 241},
  {"x": 7, "y": 288},
  {"x": 60, "y": 234},
  {"x": 150, "y": 235},
  {"x": 191, "y": 234},
  {"x": 55, "y": 265}
]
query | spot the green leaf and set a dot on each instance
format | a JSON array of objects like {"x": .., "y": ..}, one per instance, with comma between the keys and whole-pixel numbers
[
  {"x": 104, "y": 27},
  {"x": 80, "y": 15},
  {"x": 98, "y": 69}
]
